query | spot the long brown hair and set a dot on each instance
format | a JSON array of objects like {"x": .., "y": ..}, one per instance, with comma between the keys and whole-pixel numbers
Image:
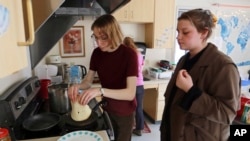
[
  {"x": 108, "y": 25},
  {"x": 128, "y": 41}
]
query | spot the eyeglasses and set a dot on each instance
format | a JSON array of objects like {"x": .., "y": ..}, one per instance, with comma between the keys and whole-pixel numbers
[{"x": 101, "y": 38}]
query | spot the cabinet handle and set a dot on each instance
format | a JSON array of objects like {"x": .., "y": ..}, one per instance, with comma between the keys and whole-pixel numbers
[{"x": 31, "y": 38}]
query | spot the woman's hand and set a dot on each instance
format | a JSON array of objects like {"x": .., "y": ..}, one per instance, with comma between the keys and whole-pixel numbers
[
  {"x": 184, "y": 80},
  {"x": 88, "y": 95},
  {"x": 73, "y": 92}
]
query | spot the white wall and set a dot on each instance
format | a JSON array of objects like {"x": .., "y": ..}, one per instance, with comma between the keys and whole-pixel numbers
[
  {"x": 208, "y": 4},
  {"x": 136, "y": 31}
]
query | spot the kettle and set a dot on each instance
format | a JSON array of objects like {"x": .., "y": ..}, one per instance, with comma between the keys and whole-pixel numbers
[{"x": 77, "y": 73}]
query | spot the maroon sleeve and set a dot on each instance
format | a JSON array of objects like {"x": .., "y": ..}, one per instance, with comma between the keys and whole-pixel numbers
[{"x": 132, "y": 63}]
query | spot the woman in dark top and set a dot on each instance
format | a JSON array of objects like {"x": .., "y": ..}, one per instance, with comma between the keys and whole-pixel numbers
[
  {"x": 117, "y": 69},
  {"x": 203, "y": 94}
]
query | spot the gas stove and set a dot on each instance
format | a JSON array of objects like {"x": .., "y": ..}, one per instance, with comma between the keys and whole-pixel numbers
[{"x": 21, "y": 101}]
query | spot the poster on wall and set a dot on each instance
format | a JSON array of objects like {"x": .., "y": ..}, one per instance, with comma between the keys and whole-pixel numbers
[
  {"x": 72, "y": 43},
  {"x": 233, "y": 32}
]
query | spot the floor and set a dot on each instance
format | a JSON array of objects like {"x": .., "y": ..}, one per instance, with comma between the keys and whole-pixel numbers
[{"x": 153, "y": 136}]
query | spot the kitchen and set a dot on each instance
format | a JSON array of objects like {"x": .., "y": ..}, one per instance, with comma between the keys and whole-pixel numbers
[{"x": 136, "y": 30}]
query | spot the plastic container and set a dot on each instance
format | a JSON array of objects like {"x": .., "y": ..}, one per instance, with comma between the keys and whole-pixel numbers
[
  {"x": 4, "y": 134},
  {"x": 43, "y": 92},
  {"x": 243, "y": 101},
  {"x": 246, "y": 113}
]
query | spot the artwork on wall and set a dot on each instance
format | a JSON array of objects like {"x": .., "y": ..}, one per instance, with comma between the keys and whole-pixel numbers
[
  {"x": 72, "y": 43},
  {"x": 233, "y": 32}
]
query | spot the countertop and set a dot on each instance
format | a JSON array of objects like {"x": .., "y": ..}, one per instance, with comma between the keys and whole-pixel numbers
[
  {"x": 101, "y": 133},
  {"x": 147, "y": 84}
]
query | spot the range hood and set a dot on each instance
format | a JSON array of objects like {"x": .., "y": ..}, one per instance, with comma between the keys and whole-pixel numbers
[{"x": 63, "y": 15}]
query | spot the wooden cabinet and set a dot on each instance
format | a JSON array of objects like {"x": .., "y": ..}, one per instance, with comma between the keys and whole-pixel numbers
[
  {"x": 160, "y": 34},
  {"x": 141, "y": 11},
  {"x": 154, "y": 101},
  {"x": 12, "y": 57}
]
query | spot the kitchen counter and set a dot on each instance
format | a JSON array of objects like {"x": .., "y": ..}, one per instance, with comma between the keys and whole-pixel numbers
[
  {"x": 150, "y": 83},
  {"x": 101, "y": 133},
  {"x": 153, "y": 102}
]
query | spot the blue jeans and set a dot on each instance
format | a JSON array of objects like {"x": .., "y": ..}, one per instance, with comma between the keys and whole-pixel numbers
[{"x": 139, "y": 117}]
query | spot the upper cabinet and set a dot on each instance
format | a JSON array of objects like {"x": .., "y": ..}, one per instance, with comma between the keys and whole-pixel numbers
[
  {"x": 160, "y": 34},
  {"x": 141, "y": 11},
  {"x": 12, "y": 57}
]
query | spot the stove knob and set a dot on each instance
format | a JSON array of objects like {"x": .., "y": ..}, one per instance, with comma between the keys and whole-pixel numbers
[
  {"x": 17, "y": 105},
  {"x": 37, "y": 83},
  {"x": 22, "y": 100}
]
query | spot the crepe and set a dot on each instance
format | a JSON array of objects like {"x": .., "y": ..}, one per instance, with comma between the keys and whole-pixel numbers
[{"x": 80, "y": 112}]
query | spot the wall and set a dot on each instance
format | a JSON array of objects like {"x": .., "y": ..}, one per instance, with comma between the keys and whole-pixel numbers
[
  {"x": 135, "y": 31},
  {"x": 222, "y": 6}
]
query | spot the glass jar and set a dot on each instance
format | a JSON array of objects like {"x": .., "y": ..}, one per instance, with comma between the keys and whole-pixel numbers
[{"x": 4, "y": 134}]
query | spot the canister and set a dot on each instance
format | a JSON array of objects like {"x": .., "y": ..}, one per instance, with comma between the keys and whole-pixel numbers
[
  {"x": 246, "y": 113},
  {"x": 4, "y": 134}
]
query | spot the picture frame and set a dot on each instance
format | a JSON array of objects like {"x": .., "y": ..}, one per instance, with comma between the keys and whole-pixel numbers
[{"x": 72, "y": 43}]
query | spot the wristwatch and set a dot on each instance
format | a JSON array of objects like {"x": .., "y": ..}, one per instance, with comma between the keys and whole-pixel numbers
[{"x": 102, "y": 91}]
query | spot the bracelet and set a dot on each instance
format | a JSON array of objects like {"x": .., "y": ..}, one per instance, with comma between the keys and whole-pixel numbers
[{"x": 102, "y": 91}]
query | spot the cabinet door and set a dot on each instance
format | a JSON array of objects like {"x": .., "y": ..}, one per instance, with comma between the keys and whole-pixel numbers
[
  {"x": 13, "y": 58},
  {"x": 161, "y": 90},
  {"x": 136, "y": 11},
  {"x": 164, "y": 24},
  {"x": 160, "y": 34},
  {"x": 148, "y": 11},
  {"x": 121, "y": 14},
  {"x": 142, "y": 11}
]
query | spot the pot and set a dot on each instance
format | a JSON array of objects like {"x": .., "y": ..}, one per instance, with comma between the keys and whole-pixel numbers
[
  {"x": 58, "y": 98},
  {"x": 41, "y": 122}
]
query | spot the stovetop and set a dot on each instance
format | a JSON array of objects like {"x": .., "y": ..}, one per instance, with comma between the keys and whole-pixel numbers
[{"x": 22, "y": 101}]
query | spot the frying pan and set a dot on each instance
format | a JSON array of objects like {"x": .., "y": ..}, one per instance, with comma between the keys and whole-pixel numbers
[
  {"x": 41, "y": 122},
  {"x": 92, "y": 118}
]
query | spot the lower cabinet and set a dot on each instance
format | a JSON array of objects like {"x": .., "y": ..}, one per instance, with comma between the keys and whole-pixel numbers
[{"x": 154, "y": 101}]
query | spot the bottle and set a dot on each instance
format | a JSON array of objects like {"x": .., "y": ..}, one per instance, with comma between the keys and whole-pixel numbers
[
  {"x": 4, "y": 134},
  {"x": 246, "y": 113}
]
